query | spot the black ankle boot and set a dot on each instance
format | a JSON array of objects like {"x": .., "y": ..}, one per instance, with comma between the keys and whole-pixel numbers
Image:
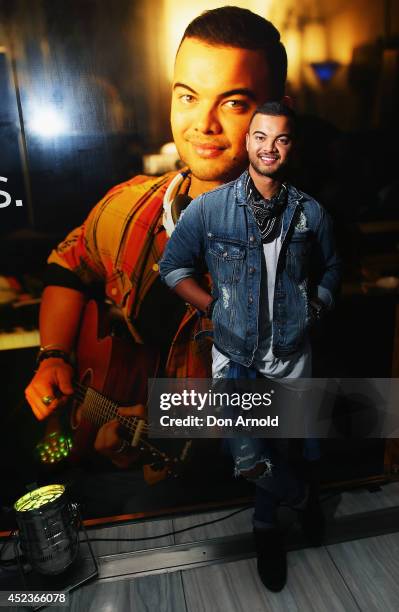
[{"x": 272, "y": 558}]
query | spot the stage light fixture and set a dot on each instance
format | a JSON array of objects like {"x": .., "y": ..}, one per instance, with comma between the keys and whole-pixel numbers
[{"x": 49, "y": 527}]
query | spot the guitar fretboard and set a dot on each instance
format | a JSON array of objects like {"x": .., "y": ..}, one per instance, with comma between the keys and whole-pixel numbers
[{"x": 98, "y": 409}]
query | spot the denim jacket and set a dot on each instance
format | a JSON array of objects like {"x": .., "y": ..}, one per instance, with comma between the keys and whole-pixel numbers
[{"x": 218, "y": 229}]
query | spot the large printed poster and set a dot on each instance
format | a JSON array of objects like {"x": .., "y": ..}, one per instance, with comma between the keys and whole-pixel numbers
[{"x": 85, "y": 106}]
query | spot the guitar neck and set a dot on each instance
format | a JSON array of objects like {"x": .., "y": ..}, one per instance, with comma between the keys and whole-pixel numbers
[{"x": 99, "y": 409}]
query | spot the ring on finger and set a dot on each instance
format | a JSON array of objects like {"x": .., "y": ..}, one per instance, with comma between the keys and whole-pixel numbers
[{"x": 47, "y": 399}]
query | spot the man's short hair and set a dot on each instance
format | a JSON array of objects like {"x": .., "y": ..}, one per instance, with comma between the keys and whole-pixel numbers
[
  {"x": 231, "y": 26},
  {"x": 277, "y": 109}
]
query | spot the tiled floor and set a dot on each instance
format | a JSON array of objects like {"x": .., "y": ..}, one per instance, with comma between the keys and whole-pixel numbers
[{"x": 351, "y": 576}]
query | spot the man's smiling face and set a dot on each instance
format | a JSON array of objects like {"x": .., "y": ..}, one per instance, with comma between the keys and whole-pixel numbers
[
  {"x": 215, "y": 92},
  {"x": 269, "y": 144}
]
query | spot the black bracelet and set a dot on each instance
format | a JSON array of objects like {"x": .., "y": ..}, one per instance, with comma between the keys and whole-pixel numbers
[{"x": 53, "y": 353}]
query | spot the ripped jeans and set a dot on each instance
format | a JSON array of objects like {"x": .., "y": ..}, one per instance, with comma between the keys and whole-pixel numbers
[{"x": 275, "y": 480}]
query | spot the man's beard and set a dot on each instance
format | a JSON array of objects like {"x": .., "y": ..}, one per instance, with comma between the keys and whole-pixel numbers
[{"x": 277, "y": 173}]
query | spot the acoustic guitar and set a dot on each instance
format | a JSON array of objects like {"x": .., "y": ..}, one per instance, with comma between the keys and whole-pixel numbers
[{"x": 113, "y": 371}]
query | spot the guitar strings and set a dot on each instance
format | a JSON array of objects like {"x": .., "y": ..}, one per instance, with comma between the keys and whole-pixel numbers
[
  {"x": 109, "y": 409},
  {"x": 98, "y": 408}
]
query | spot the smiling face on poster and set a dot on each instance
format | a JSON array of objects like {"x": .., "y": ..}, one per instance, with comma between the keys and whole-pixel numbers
[{"x": 215, "y": 92}]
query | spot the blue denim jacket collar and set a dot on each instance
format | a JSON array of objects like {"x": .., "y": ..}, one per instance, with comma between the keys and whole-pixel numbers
[{"x": 294, "y": 196}]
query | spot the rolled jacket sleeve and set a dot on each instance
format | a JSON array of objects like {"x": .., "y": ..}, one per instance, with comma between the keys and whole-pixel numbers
[
  {"x": 175, "y": 276},
  {"x": 185, "y": 248},
  {"x": 325, "y": 296}
]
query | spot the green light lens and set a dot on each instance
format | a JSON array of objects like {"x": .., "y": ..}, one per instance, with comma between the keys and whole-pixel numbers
[
  {"x": 54, "y": 448},
  {"x": 39, "y": 497}
]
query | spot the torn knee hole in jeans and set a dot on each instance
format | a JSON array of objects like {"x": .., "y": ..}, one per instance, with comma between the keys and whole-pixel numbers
[{"x": 261, "y": 468}]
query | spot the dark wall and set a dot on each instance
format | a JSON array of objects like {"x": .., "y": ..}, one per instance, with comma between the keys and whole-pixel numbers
[{"x": 80, "y": 72}]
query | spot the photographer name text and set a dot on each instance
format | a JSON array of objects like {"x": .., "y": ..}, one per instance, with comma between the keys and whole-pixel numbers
[{"x": 213, "y": 421}]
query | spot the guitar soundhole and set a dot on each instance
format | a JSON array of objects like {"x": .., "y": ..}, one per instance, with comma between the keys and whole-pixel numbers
[{"x": 85, "y": 380}]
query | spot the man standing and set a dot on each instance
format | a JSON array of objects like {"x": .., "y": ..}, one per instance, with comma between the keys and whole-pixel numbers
[
  {"x": 229, "y": 61},
  {"x": 270, "y": 252}
]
